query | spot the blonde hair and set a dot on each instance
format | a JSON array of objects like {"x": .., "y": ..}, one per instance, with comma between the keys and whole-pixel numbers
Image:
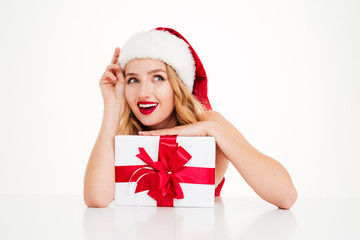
[{"x": 187, "y": 109}]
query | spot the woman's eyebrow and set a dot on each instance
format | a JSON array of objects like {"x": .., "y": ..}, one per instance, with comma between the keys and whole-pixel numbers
[
  {"x": 130, "y": 74},
  {"x": 150, "y": 72},
  {"x": 155, "y": 70}
]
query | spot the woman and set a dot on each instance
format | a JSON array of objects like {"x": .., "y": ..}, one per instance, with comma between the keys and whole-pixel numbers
[{"x": 158, "y": 86}]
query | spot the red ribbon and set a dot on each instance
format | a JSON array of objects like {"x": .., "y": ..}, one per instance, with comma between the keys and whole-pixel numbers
[{"x": 163, "y": 179}]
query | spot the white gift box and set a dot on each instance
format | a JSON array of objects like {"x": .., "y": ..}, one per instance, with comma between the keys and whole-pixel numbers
[{"x": 202, "y": 151}]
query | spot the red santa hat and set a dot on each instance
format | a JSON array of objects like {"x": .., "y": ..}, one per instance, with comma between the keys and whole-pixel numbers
[{"x": 171, "y": 47}]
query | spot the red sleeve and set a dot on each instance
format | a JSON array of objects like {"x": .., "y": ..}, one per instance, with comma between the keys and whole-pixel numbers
[{"x": 219, "y": 187}]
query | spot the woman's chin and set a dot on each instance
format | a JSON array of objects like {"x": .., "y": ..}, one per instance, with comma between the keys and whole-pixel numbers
[
  {"x": 155, "y": 123},
  {"x": 149, "y": 123}
]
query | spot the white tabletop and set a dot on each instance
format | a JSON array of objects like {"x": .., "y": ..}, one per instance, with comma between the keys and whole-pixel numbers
[{"x": 67, "y": 217}]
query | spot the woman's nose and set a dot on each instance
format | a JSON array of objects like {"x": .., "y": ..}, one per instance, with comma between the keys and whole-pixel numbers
[{"x": 145, "y": 90}]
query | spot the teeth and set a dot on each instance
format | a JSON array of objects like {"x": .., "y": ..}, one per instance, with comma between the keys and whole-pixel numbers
[{"x": 147, "y": 105}]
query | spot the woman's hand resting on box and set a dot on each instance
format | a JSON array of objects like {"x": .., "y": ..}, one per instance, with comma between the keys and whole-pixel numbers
[{"x": 202, "y": 128}]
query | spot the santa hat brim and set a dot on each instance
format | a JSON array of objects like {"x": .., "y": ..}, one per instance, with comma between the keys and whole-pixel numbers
[{"x": 163, "y": 46}]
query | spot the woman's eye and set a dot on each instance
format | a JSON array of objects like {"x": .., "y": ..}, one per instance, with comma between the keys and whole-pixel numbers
[
  {"x": 159, "y": 78},
  {"x": 132, "y": 80}
]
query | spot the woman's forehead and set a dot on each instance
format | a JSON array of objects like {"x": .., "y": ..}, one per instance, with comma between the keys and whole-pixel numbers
[{"x": 137, "y": 64}]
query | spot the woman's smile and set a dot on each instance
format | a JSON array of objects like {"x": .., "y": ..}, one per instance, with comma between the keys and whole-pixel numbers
[{"x": 147, "y": 108}]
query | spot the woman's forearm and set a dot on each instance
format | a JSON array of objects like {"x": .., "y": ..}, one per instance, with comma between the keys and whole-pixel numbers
[
  {"x": 100, "y": 176},
  {"x": 267, "y": 177}
]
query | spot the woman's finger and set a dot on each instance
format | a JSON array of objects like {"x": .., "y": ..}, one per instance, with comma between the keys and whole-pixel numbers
[
  {"x": 194, "y": 129},
  {"x": 113, "y": 67},
  {"x": 108, "y": 77},
  {"x": 147, "y": 133},
  {"x": 119, "y": 74},
  {"x": 116, "y": 55},
  {"x": 158, "y": 132}
]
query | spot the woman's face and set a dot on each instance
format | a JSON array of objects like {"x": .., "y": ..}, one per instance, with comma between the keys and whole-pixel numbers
[{"x": 149, "y": 93}]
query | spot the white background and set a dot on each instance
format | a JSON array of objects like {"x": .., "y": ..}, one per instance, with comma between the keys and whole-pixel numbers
[{"x": 285, "y": 73}]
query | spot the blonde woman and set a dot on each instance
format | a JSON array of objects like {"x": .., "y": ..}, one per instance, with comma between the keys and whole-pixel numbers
[{"x": 157, "y": 86}]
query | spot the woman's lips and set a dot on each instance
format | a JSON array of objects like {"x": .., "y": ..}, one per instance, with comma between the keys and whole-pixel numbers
[{"x": 147, "y": 107}]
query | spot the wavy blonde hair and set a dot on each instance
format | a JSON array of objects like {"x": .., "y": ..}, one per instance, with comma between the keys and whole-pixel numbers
[{"x": 187, "y": 108}]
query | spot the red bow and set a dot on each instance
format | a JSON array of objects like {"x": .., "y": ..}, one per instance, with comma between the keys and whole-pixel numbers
[{"x": 162, "y": 182}]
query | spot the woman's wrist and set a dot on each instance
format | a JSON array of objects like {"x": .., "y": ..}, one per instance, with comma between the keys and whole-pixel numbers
[
  {"x": 111, "y": 118},
  {"x": 113, "y": 103}
]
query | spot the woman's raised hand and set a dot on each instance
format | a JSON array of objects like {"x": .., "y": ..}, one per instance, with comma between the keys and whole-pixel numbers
[{"x": 112, "y": 82}]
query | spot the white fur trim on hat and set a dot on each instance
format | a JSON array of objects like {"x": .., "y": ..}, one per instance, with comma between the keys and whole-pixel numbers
[{"x": 164, "y": 46}]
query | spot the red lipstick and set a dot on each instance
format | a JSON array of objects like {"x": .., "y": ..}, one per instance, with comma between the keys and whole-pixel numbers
[{"x": 147, "y": 107}]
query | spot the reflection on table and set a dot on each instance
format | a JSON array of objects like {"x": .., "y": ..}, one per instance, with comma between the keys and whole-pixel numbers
[{"x": 67, "y": 217}]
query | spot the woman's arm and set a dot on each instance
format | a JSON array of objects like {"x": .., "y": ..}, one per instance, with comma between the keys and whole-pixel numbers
[
  {"x": 267, "y": 177},
  {"x": 99, "y": 179}
]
